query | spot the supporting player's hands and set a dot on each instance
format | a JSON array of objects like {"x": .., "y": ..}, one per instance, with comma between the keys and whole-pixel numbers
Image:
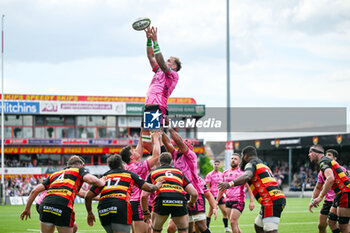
[
  {"x": 159, "y": 183},
  {"x": 190, "y": 204},
  {"x": 155, "y": 134},
  {"x": 91, "y": 219},
  {"x": 25, "y": 214},
  {"x": 251, "y": 205},
  {"x": 222, "y": 186}
]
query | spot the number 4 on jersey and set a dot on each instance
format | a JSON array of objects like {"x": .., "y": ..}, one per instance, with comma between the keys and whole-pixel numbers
[{"x": 60, "y": 178}]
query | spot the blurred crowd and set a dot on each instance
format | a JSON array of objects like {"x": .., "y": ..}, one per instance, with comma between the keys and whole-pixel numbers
[
  {"x": 17, "y": 163},
  {"x": 21, "y": 185}
]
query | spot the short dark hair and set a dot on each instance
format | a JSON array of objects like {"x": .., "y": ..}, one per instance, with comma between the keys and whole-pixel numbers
[
  {"x": 178, "y": 63},
  {"x": 126, "y": 153},
  {"x": 114, "y": 161},
  {"x": 165, "y": 158},
  {"x": 249, "y": 151},
  {"x": 75, "y": 160},
  {"x": 333, "y": 152},
  {"x": 217, "y": 161}
]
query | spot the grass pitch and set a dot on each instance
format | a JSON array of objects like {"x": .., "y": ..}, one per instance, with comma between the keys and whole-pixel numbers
[{"x": 295, "y": 218}]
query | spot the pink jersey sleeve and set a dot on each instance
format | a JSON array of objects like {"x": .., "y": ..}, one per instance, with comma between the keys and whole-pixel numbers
[
  {"x": 208, "y": 177},
  {"x": 320, "y": 179}
]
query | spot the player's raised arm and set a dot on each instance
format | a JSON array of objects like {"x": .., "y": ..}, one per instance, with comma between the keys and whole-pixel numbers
[
  {"x": 156, "y": 149},
  {"x": 159, "y": 56},
  {"x": 178, "y": 141},
  {"x": 167, "y": 143},
  {"x": 139, "y": 147},
  {"x": 150, "y": 54}
]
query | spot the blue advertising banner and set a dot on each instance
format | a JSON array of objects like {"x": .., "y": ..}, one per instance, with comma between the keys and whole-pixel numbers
[{"x": 18, "y": 107}]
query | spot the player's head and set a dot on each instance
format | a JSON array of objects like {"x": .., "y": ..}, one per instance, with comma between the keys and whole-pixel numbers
[
  {"x": 315, "y": 153},
  {"x": 75, "y": 160},
  {"x": 217, "y": 165},
  {"x": 114, "y": 161},
  {"x": 235, "y": 160},
  {"x": 333, "y": 154},
  {"x": 248, "y": 153},
  {"x": 129, "y": 154},
  {"x": 174, "y": 63},
  {"x": 165, "y": 158}
]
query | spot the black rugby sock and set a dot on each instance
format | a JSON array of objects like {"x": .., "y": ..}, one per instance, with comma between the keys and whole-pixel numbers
[
  {"x": 208, "y": 221},
  {"x": 225, "y": 220}
]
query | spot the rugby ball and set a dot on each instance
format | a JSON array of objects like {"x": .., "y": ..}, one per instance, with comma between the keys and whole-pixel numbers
[{"x": 141, "y": 24}]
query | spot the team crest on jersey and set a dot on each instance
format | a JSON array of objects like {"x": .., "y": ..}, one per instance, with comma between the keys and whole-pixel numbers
[
  {"x": 323, "y": 166},
  {"x": 315, "y": 140}
]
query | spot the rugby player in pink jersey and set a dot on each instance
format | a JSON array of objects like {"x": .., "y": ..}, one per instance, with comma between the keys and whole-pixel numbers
[
  {"x": 212, "y": 180},
  {"x": 329, "y": 208},
  {"x": 186, "y": 161},
  {"x": 132, "y": 158},
  {"x": 235, "y": 196},
  {"x": 164, "y": 80}
]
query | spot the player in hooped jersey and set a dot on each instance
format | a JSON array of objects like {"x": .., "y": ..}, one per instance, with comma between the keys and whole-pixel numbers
[
  {"x": 170, "y": 198},
  {"x": 164, "y": 80},
  {"x": 328, "y": 209},
  {"x": 212, "y": 180},
  {"x": 235, "y": 196},
  {"x": 114, "y": 208},
  {"x": 56, "y": 209},
  {"x": 336, "y": 179},
  {"x": 264, "y": 187},
  {"x": 132, "y": 158},
  {"x": 186, "y": 161}
]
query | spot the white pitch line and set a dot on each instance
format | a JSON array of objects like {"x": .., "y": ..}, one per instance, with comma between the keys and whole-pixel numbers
[{"x": 249, "y": 225}]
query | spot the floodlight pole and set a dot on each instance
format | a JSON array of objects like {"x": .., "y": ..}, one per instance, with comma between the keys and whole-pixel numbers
[
  {"x": 228, "y": 109},
  {"x": 2, "y": 112}
]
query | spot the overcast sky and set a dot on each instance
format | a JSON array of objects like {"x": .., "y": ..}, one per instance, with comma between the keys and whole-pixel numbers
[{"x": 291, "y": 53}]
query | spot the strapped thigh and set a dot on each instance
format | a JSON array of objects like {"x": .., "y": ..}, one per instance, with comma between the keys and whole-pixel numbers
[
  {"x": 332, "y": 217},
  {"x": 343, "y": 220},
  {"x": 157, "y": 230}
]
